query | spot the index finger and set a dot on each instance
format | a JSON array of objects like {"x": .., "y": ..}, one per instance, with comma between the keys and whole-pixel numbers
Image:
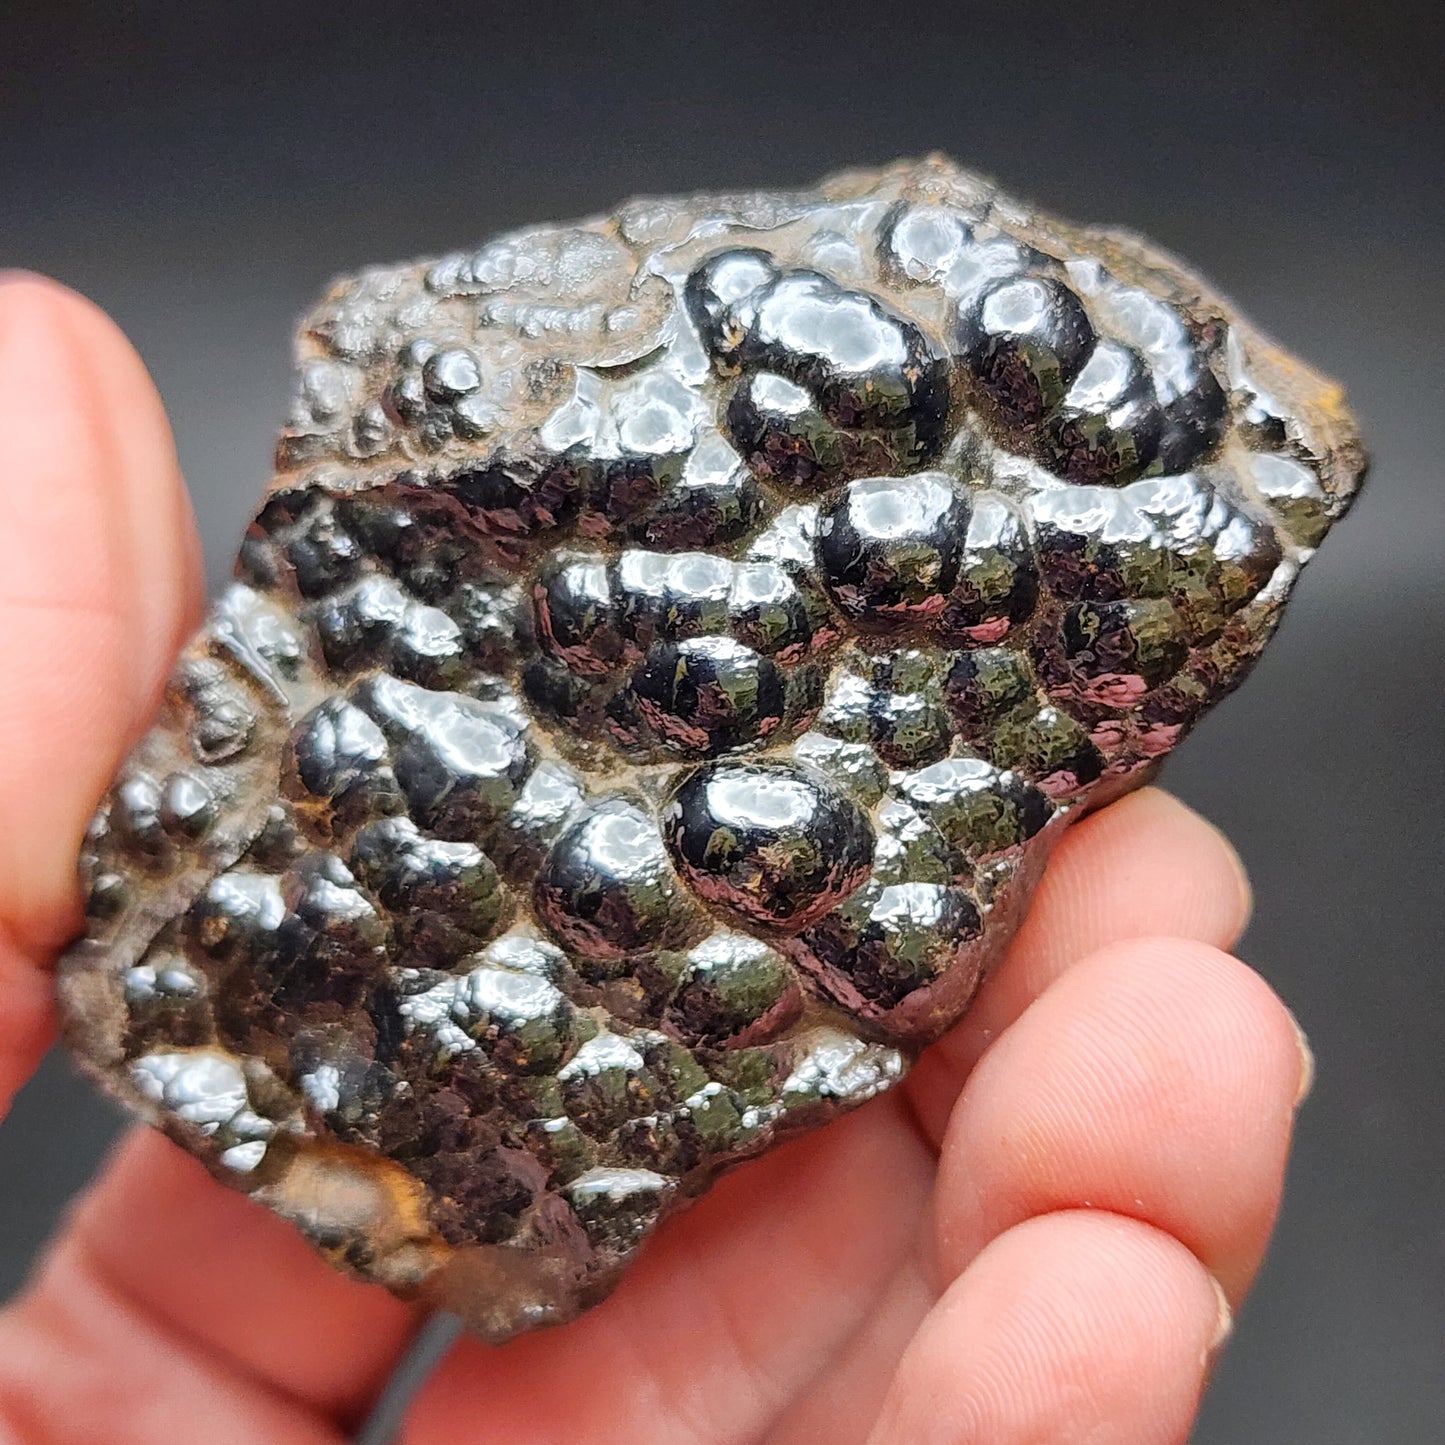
[{"x": 101, "y": 580}]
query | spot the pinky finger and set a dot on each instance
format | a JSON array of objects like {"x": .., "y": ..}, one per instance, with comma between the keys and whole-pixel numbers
[{"x": 1073, "y": 1327}]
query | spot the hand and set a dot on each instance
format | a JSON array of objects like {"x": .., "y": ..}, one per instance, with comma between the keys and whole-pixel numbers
[{"x": 1041, "y": 1237}]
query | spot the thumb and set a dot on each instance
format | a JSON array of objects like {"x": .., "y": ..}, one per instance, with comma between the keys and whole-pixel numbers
[{"x": 99, "y": 583}]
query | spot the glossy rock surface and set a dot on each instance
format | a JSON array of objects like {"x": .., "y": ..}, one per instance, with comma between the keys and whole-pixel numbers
[{"x": 651, "y": 688}]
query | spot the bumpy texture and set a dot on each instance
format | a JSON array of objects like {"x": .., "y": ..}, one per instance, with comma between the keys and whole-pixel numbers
[{"x": 652, "y": 686}]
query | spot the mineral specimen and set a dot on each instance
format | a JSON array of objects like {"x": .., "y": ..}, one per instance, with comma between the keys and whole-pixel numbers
[{"x": 650, "y": 690}]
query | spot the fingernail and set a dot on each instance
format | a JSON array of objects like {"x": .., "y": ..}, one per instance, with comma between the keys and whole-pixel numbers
[
  {"x": 1224, "y": 1323},
  {"x": 1307, "y": 1063}
]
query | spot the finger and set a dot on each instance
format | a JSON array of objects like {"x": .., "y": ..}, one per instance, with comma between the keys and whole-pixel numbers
[
  {"x": 225, "y": 1279},
  {"x": 1075, "y": 1328},
  {"x": 89, "y": 1366},
  {"x": 843, "y": 1399},
  {"x": 1148, "y": 862},
  {"x": 1146, "y": 865},
  {"x": 727, "y": 1316},
  {"x": 100, "y": 583},
  {"x": 1157, "y": 1079}
]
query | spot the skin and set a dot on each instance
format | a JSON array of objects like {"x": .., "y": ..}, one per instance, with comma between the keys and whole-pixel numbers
[{"x": 1040, "y": 1238}]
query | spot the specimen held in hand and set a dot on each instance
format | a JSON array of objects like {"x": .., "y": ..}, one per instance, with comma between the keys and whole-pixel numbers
[{"x": 650, "y": 690}]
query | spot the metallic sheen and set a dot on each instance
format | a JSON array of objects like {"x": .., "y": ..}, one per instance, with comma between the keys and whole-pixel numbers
[{"x": 650, "y": 691}]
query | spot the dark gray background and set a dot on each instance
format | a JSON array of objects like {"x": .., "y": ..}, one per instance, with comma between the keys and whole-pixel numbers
[{"x": 202, "y": 169}]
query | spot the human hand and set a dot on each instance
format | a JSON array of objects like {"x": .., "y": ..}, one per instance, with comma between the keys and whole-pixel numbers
[{"x": 1040, "y": 1237}]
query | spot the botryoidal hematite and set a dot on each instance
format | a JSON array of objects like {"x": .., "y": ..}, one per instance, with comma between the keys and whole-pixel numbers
[{"x": 650, "y": 690}]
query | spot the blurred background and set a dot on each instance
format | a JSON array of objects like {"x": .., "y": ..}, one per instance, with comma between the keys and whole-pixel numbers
[{"x": 201, "y": 170}]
